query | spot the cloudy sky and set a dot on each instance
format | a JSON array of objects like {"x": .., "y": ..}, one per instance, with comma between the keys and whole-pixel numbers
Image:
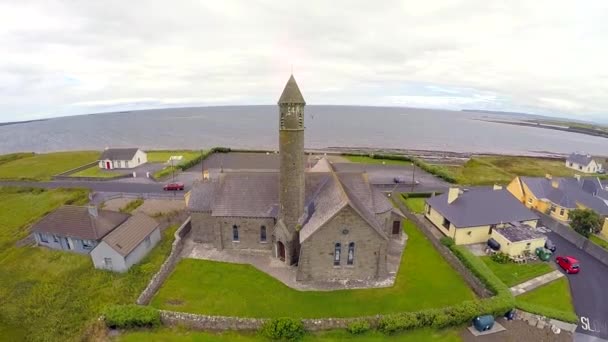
[{"x": 72, "y": 57}]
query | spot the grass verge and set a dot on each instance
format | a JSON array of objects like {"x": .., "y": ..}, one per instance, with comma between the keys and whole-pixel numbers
[
  {"x": 552, "y": 299},
  {"x": 512, "y": 274},
  {"x": 134, "y": 204},
  {"x": 217, "y": 288},
  {"x": 40, "y": 167},
  {"x": 599, "y": 241},
  {"x": 190, "y": 158},
  {"x": 95, "y": 171}
]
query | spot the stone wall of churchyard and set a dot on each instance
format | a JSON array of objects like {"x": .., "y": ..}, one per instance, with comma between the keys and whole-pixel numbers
[
  {"x": 159, "y": 278},
  {"x": 218, "y": 323}
]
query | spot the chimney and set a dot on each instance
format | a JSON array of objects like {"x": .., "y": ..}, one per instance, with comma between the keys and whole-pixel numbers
[
  {"x": 578, "y": 177},
  {"x": 548, "y": 176},
  {"x": 497, "y": 187},
  {"x": 93, "y": 211},
  {"x": 453, "y": 195}
]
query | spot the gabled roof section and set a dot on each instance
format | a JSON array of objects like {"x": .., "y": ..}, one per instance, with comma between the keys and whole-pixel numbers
[
  {"x": 581, "y": 159},
  {"x": 291, "y": 93},
  {"x": 77, "y": 222},
  {"x": 130, "y": 234},
  {"x": 118, "y": 154},
  {"x": 481, "y": 207}
]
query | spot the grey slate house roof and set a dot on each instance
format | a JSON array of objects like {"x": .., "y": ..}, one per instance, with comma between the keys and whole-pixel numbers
[
  {"x": 569, "y": 192},
  {"x": 291, "y": 93},
  {"x": 481, "y": 207},
  {"x": 130, "y": 234},
  {"x": 517, "y": 233},
  {"x": 256, "y": 194},
  {"x": 581, "y": 159},
  {"x": 77, "y": 222},
  {"x": 118, "y": 154}
]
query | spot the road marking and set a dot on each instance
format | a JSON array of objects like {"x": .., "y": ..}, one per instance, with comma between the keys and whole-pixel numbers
[{"x": 593, "y": 325}]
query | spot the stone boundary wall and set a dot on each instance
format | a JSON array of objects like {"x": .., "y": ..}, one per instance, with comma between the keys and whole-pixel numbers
[
  {"x": 66, "y": 174},
  {"x": 575, "y": 238},
  {"x": 80, "y": 168},
  {"x": 219, "y": 323},
  {"x": 469, "y": 278},
  {"x": 167, "y": 267}
]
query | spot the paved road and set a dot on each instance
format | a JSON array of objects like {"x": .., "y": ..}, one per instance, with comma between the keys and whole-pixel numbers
[{"x": 589, "y": 289}]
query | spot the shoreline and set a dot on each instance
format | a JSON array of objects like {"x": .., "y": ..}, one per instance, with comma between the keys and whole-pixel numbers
[{"x": 588, "y": 132}]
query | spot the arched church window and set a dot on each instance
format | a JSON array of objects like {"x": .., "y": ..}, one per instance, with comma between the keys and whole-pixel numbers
[
  {"x": 235, "y": 233},
  {"x": 337, "y": 251},
  {"x": 351, "y": 253},
  {"x": 263, "y": 233}
]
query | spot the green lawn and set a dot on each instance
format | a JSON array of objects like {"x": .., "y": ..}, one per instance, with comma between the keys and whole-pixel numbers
[
  {"x": 369, "y": 160},
  {"x": 52, "y": 295},
  {"x": 554, "y": 295},
  {"x": 163, "y": 157},
  {"x": 180, "y": 335},
  {"x": 416, "y": 205},
  {"x": 512, "y": 274},
  {"x": 95, "y": 171},
  {"x": 43, "y": 166},
  {"x": 599, "y": 241},
  {"x": 217, "y": 288},
  {"x": 488, "y": 170}
]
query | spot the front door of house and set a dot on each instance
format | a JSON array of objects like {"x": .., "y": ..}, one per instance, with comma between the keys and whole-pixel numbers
[
  {"x": 281, "y": 250},
  {"x": 108, "y": 165},
  {"x": 396, "y": 227}
]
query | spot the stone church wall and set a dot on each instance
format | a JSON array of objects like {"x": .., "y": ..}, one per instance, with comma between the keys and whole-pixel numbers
[
  {"x": 317, "y": 252},
  {"x": 249, "y": 232},
  {"x": 203, "y": 227}
]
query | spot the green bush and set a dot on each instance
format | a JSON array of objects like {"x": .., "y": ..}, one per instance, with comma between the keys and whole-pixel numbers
[
  {"x": 565, "y": 316},
  {"x": 131, "y": 316},
  {"x": 284, "y": 329},
  {"x": 480, "y": 270},
  {"x": 358, "y": 327},
  {"x": 500, "y": 258},
  {"x": 447, "y": 241}
]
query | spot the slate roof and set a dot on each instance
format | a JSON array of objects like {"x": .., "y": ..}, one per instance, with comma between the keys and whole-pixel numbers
[
  {"x": 480, "y": 207},
  {"x": 569, "y": 192},
  {"x": 581, "y": 159},
  {"x": 76, "y": 222},
  {"x": 516, "y": 233},
  {"x": 291, "y": 93},
  {"x": 256, "y": 194},
  {"x": 118, "y": 154},
  {"x": 130, "y": 234}
]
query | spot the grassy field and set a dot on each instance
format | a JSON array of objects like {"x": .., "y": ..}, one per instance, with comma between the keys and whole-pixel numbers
[
  {"x": 43, "y": 166},
  {"x": 217, "y": 288},
  {"x": 369, "y": 160},
  {"x": 95, "y": 171},
  {"x": 512, "y": 274},
  {"x": 554, "y": 295},
  {"x": 416, "y": 205},
  {"x": 163, "y": 157},
  {"x": 48, "y": 295},
  {"x": 488, "y": 170},
  {"x": 180, "y": 335},
  {"x": 599, "y": 241}
]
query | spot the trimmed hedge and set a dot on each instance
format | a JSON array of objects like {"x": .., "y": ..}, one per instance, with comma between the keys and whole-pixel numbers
[
  {"x": 447, "y": 241},
  {"x": 445, "y": 317},
  {"x": 131, "y": 316},
  {"x": 547, "y": 311},
  {"x": 480, "y": 270},
  {"x": 285, "y": 329}
]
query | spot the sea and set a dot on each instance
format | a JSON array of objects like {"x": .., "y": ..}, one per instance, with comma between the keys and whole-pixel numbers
[{"x": 255, "y": 127}]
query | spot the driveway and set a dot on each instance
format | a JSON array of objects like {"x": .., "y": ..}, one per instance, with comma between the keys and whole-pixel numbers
[{"x": 589, "y": 290}]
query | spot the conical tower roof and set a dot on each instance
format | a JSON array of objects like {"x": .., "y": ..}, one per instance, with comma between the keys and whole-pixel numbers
[{"x": 291, "y": 93}]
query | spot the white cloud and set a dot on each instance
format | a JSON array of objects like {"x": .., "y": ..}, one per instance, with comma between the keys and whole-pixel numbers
[{"x": 545, "y": 56}]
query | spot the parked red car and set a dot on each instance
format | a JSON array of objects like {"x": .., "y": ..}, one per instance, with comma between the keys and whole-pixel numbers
[
  {"x": 568, "y": 263},
  {"x": 173, "y": 186}
]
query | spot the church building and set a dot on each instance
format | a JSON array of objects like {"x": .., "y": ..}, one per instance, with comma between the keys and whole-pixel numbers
[{"x": 332, "y": 226}]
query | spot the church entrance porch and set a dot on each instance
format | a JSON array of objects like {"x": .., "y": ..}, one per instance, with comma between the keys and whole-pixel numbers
[{"x": 280, "y": 251}]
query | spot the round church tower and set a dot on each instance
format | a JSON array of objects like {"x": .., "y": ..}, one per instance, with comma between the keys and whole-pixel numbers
[{"x": 291, "y": 151}]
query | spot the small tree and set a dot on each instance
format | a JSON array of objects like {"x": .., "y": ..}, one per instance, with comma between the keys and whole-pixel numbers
[{"x": 585, "y": 221}]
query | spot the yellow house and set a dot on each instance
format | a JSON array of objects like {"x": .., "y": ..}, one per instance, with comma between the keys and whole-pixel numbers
[
  {"x": 470, "y": 216},
  {"x": 558, "y": 196},
  {"x": 515, "y": 240}
]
